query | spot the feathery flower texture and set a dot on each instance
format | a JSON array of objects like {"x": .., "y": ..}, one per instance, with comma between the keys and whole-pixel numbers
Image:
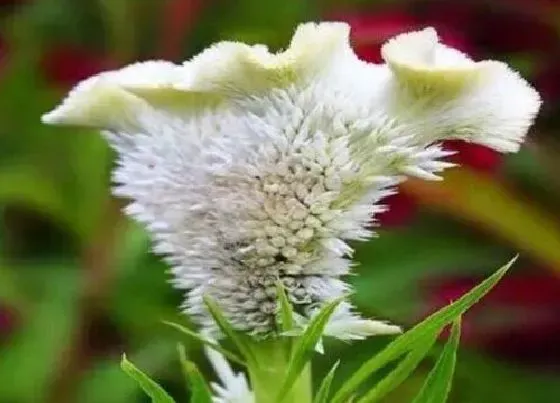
[{"x": 250, "y": 167}]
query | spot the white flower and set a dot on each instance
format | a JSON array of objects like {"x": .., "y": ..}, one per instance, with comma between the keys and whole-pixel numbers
[
  {"x": 346, "y": 325},
  {"x": 446, "y": 94},
  {"x": 250, "y": 167},
  {"x": 233, "y": 387}
]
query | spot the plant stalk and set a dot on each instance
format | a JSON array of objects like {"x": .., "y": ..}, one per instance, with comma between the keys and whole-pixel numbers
[{"x": 273, "y": 359}]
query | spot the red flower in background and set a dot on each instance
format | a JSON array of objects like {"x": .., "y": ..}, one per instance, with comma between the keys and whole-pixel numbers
[
  {"x": 370, "y": 31},
  {"x": 67, "y": 65},
  {"x": 475, "y": 156},
  {"x": 519, "y": 319},
  {"x": 497, "y": 26},
  {"x": 10, "y": 3},
  {"x": 3, "y": 52},
  {"x": 401, "y": 210},
  {"x": 179, "y": 18},
  {"x": 8, "y": 321},
  {"x": 547, "y": 80},
  {"x": 509, "y": 31}
]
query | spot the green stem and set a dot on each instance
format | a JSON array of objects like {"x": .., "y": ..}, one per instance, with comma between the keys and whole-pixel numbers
[{"x": 266, "y": 377}]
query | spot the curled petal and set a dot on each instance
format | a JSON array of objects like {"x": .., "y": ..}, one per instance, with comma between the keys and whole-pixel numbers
[
  {"x": 446, "y": 95},
  {"x": 239, "y": 69},
  {"x": 94, "y": 103},
  {"x": 121, "y": 100},
  {"x": 424, "y": 66}
]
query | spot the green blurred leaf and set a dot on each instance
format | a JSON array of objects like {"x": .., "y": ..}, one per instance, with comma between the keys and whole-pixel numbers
[
  {"x": 84, "y": 176},
  {"x": 408, "y": 340},
  {"x": 238, "y": 339},
  {"x": 29, "y": 361},
  {"x": 11, "y": 292},
  {"x": 322, "y": 394},
  {"x": 495, "y": 208},
  {"x": 305, "y": 346},
  {"x": 402, "y": 371},
  {"x": 105, "y": 382},
  {"x": 119, "y": 18},
  {"x": 438, "y": 384},
  {"x": 271, "y": 22},
  {"x": 477, "y": 376},
  {"x": 132, "y": 249},
  {"x": 152, "y": 389},
  {"x": 433, "y": 249},
  {"x": 200, "y": 392},
  {"x": 213, "y": 345},
  {"x": 25, "y": 186}
]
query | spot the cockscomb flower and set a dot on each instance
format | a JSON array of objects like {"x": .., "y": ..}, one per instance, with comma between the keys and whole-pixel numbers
[{"x": 251, "y": 168}]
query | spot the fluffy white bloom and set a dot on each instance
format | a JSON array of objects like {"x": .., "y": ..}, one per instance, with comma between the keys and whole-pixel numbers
[
  {"x": 250, "y": 167},
  {"x": 233, "y": 387}
]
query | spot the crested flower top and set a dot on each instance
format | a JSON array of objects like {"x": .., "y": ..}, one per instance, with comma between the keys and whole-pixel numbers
[{"x": 250, "y": 167}]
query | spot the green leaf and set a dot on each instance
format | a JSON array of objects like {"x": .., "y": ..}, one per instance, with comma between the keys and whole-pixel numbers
[
  {"x": 434, "y": 249},
  {"x": 26, "y": 186},
  {"x": 409, "y": 340},
  {"x": 200, "y": 392},
  {"x": 480, "y": 374},
  {"x": 30, "y": 360},
  {"x": 237, "y": 338},
  {"x": 402, "y": 371},
  {"x": 496, "y": 208},
  {"x": 105, "y": 382},
  {"x": 325, "y": 387},
  {"x": 152, "y": 389},
  {"x": 213, "y": 345},
  {"x": 11, "y": 292},
  {"x": 86, "y": 188},
  {"x": 438, "y": 384},
  {"x": 286, "y": 312},
  {"x": 304, "y": 347}
]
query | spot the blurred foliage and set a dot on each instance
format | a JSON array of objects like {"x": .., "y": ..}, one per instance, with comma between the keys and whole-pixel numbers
[{"x": 79, "y": 286}]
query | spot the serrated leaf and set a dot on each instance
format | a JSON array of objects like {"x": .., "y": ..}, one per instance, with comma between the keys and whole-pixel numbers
[
  {"x": 213, "y": 345},
  {"x": 237, "y": 338},
  {"x": 305, "y": 346},
  {"x": 402, "y": 370},
  {"x": 323, "y": 392},
  {"x": 408, "y": 340},
  {"x": 438, "y": 384},
  {"x": 150, "y": 387},
  {"x": 200, "y": 391},
  {"x": 286, "y": 312}
]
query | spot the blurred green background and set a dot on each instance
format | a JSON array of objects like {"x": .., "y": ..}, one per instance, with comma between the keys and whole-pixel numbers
[{"x": 79, "y": 286}]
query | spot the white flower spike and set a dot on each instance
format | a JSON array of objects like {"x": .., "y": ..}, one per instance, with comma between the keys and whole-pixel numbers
[
  {"x": 233, "y": 387},
  {"x": 250, "y": 167}
]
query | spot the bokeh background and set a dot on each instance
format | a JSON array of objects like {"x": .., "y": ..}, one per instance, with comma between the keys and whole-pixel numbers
[{"x": 79, "y": 286}]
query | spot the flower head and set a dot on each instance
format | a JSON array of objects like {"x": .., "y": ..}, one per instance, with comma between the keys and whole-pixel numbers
[{"x": 250, "y": 167}]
